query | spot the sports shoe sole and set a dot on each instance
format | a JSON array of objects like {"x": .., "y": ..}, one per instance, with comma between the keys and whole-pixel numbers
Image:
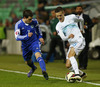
[
  {"x": 77, "y": 78},
  {"x": 83, "y": 77}
]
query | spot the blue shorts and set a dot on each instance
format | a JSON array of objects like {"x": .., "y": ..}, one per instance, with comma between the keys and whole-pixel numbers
[{"x": 34, "y": 48}]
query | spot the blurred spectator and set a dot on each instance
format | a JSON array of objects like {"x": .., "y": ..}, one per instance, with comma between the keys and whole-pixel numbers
[
  {"x": 55, "y": 39},
  {"x": 95, "y": 20},
  {"x": 40, "y": 20},
  {"x": 55, "y": 2},
  {"x": 83, "y": 57},
  {"x": 2, "y": 33},
  {"x": 66, "y": 1},
  {"x": 41, "y": 4},
  {"x": 8, "y": 23},
  {"x": 14, "y": 18},
  {"x": 95, "y": 30},
  {"x": 69, "y": 11},
  {"x": 42, "y": 16}
]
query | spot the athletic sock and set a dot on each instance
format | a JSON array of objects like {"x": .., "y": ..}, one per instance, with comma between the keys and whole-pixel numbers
[
  {"x": 80, "y": 72},
  {"x": 74, "y": 64},
  {"x": 42, "y": 63},
  {"x": 71, "y": 69},
  {"x": 31, "y": 65}
]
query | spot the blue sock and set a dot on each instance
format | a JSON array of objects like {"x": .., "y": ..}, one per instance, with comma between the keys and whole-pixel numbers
[
  {"x": 31, "y": 65},
  {"x": 42, "y": 63}
]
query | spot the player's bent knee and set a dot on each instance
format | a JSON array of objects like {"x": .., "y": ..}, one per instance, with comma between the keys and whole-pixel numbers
[
  {"x": 71, "y": 53},
  {"x": 37, "y": 55},
  {"x": 67, "y": 65}
]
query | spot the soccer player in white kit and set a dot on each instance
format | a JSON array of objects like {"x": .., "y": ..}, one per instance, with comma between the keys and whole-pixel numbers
[{"x": 68, "y": 30}]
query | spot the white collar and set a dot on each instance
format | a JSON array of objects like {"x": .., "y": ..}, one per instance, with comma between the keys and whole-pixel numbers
[{"x": 26, "y": 24}]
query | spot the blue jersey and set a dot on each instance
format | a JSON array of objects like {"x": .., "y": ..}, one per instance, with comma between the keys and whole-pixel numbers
[{"x": 21, "y": 33}]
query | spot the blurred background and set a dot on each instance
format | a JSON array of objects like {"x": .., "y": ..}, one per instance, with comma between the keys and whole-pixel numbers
[{"x": 11, "y": 12}]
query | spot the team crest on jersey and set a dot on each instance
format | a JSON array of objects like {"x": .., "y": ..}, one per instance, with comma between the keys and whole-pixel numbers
[
  {"x": 22, "y": 28},
  {"x": 32, "y": 26},
  {"x": 37, "y": 48}
]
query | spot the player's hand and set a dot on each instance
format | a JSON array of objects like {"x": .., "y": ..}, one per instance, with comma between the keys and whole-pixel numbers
[
  {"x": 85, "y": 27},
  {"x": 54, "y": 33},
  {"x": 71, "y": 36},
  {"x": 42, "y": 40},
  {"x": 30, "y": 34},
  {"x": 82, "y": 32}
]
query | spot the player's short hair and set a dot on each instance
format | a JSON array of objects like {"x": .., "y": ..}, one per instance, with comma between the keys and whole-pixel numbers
[
  {"x": 58, "y": 9},
  {"x": 27, "y": 13},
  {"x": 79, "y": 6}
]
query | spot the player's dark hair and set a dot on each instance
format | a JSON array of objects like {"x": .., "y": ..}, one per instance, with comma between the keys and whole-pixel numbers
[
  {"x": 58, "y": 9},
  {"x": 79, "y": 6},
  {"x": 27, "y": 13}
]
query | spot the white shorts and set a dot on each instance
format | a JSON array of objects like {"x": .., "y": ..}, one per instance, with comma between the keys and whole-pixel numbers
[{"x": 78, "y": 46}]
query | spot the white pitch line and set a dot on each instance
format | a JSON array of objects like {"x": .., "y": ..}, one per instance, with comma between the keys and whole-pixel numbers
[
  {"x": 33, "y": 74},
  {"x": 42, "y": 76},
  {"x": 92, "y": 83}
]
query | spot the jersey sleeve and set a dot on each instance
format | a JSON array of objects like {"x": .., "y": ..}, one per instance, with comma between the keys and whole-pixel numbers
[
  {"x": 17, "y": 34},
  {"x": 61, "y": 34},
  {"x": 38, "y": 30}
]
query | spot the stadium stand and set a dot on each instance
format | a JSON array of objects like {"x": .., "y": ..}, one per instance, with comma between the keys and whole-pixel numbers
[{"x": 16, "y": 6}]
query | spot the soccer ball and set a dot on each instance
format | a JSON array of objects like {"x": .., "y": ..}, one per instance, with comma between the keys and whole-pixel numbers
[{"x": 68, "y": 76}]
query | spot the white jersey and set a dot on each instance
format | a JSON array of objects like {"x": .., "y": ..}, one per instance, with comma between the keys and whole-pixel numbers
[{"x": 69, "y": 26}]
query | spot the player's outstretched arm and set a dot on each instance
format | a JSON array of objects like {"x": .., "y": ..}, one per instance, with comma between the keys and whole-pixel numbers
[{"x": 61, "y": 34}]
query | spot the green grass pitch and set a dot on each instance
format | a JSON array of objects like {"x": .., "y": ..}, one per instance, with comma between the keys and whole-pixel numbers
[{"x": 54, "y": 69}]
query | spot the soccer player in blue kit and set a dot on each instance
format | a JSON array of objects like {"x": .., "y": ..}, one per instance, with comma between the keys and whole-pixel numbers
[{"x": 28, "y": 32}]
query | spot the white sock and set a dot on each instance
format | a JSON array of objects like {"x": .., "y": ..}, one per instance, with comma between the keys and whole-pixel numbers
[
  {"x": 80, "y": 72},
  {"x": 71, "y": 69},
  {"x": 74, "y": 64}
]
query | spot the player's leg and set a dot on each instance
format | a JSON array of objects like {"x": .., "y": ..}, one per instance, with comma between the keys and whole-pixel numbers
[
  {"x": 82, "y": 74},
  {"x": 42, "y": 64},
  {"x": 79, "y": 48},
  {"x": 33, "y": 67},
  {"x": 69, "y": 66},
  {"x": 36, "y": 50},
  {"x": 71, "y": 61},
  {"x": 40, "y": 60},
  {"x": 29, "y": 62}
]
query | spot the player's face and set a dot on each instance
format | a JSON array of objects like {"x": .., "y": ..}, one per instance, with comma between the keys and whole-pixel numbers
[
  {"x": 53, "y": 14},
  {"x": 79, "y": 10},
  {"x": 60, "y": 16},
  {"x": 28, "y": 20}
]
